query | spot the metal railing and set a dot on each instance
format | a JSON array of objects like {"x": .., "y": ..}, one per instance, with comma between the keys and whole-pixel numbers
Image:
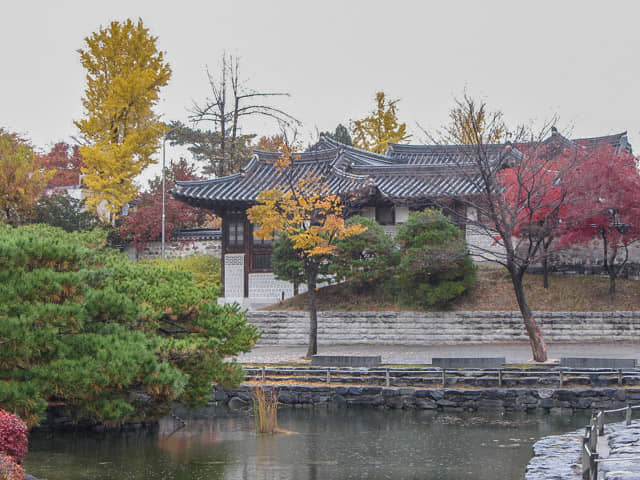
[{"x": 590, "y": 456}]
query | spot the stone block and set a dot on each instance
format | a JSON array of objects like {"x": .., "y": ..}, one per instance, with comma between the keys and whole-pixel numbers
[
  {"x": 587, "y": 362},
  {"x": 346, "y": 360},
  {"x": 468, "y": 362}
]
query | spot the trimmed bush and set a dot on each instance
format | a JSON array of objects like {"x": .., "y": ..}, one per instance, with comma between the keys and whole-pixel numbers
[
  {"x": 435, "y": 267},
  {"x": 9, "y": 469},
  {"x": 13, "y": 436},
  {"x": 365, "y": 260}
]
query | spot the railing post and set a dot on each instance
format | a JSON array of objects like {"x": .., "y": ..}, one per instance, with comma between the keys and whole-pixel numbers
[
  {"x": 560, "y": 379},
  {"x": 619, "y": 377},
  {"x": 499, "y": 377},
  {"x": 262, "y": 373},
  {"x": 387, "y": 379},
  {"x": 593, "y": 438},
  {"x": 444, "y": 378},
  {"x": 586, "y": 457},
  {"x": 628, "y": 415},
  {"x": 328, "y": 376},
  {"x": 600, "y": 418},
  {"x": 593, "y": 466}
]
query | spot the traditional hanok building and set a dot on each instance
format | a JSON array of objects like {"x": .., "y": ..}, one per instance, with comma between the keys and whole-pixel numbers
[{"x": 385, "y": 187}]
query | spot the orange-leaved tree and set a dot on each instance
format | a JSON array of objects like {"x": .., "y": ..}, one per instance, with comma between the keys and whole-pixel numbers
[
  {"x": 21, "y": 179},
  {"x": 303, "y": 210}
]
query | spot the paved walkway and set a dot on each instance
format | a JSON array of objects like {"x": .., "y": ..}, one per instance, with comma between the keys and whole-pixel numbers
[{"x": 402, "y": 354}]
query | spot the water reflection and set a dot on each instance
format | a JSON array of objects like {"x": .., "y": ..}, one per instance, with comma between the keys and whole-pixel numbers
[{"x": 323, "y": 444}]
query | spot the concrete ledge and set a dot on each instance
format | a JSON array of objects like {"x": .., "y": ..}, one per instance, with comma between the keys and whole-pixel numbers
[
  {"x": 468, "y": 362},
  {"x": 585, "y": 362},
  {"x": 346, "y": 360}
]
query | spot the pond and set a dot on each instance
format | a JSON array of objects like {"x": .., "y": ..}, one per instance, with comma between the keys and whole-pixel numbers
[{"x": 319, "y": 444}]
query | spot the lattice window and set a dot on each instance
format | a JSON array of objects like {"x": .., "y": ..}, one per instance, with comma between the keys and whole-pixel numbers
[{"x": 236, "y": 233}]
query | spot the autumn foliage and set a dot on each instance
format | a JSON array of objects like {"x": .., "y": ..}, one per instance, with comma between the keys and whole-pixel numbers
[
  {"x": 13, "y": 436},
  {"x": 10, "y": 469},
  {"x": 606, "y": 206},
  {"x": 21, "y": 182},
  {"x": 310, "y": 216},
  {"x": 66, "y": 163},
  {"x": 125, "y": 72},
  {"x": 144, "y": 224},
  {"x": 380, "y": 127}
]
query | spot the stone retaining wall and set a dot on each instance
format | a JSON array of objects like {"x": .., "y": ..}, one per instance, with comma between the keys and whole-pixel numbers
[
  {"x": 443, "y": 328},
  {"x": 508, "y": 399},
  {"x": 177, "y": 248}
]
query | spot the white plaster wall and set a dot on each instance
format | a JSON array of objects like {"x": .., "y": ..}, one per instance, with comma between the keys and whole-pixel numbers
[
  {"x": 266, "y": 287},
  {"x": 233, "y": 276},
  {"x": 402, "y": 214}
]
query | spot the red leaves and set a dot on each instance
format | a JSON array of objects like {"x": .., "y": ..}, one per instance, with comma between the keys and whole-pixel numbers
[
  {"x": 9, "y": 469},
  {"x": 145, "y": 223},
  {"x": 66, "y": 161},
  {"x": 13, "y": 436},
  {"x": 606, "y": 201}
]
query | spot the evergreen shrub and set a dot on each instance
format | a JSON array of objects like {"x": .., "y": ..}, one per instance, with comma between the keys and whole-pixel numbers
[{"x": 435, "y": 267}]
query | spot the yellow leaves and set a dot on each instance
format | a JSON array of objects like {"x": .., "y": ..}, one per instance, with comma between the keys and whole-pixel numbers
[
  {"x": 307, "y": 214},
  {"x": 125, "y": 72},
  {"x": 21, "y": 180},
  {"x": 381, "y": 127}
]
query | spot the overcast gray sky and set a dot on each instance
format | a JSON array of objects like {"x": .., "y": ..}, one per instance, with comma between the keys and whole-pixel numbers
[{"x": 532, "y": 60}]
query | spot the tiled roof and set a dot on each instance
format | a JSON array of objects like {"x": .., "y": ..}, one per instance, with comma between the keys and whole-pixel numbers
[
  {"x": 618, "y": 140},
  {"x": 442, "y": 154},
  {"x": 406, "y": 173}
]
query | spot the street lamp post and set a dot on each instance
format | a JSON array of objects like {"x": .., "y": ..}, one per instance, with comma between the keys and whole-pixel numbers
[{"x": 164, "y": 142}]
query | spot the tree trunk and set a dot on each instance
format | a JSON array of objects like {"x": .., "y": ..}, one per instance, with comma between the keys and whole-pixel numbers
[
  {"x": 545, "y": 272},
  {"x": 312, "y": 275},
  {"x": 536, "y": 339},
  {"x": 612, "y": 283}
]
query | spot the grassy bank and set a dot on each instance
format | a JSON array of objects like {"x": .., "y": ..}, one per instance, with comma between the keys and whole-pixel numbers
[{"x": 493, "y": 291}]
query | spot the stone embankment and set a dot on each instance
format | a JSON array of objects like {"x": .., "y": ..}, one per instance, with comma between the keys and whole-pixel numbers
[
  {"x": 554, "y": 400},
  {"x": 443, "y": 328}
]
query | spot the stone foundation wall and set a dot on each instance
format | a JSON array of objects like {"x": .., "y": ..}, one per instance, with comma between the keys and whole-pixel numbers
[
  {"x": 511, "y": 399},
  {"x": 177, "y": 248},
  {"x": 443, "y": 328}
]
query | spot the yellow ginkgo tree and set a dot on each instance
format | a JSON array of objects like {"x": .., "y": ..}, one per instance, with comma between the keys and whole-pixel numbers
[
  {"x": 380, "y": 127},
  {"x": 304, "y": 211},
  {"x": 125, "y": 72}
]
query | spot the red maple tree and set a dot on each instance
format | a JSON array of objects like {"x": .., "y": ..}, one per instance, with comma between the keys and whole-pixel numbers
[
  {"x": 606, "y": 207},
  {"x": 145, "y": 223},
  {"x": 66, "y": 161},
  {"x": 537, "y": 192}
]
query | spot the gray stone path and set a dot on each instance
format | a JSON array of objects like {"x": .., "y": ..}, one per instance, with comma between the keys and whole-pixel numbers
[
  {"x": 402, "y": 354},
  {"x": 558, "y": 457},
  {"x": 622, "y": 461}
]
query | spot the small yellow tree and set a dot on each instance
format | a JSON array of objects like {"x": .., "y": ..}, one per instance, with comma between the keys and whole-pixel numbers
[
  {"x": 472, "y": 124},
  {"x": 125, "y": 72},
  {"x": 381, "y": 127},
  {"x": 21, "y": 178},
  {"x": 312, "y": 218}
]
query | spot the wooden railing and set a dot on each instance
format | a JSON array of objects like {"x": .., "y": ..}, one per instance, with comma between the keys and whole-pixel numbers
[
  {"x": 434, "y": 376},
  {"x": 590, "y": 456}
]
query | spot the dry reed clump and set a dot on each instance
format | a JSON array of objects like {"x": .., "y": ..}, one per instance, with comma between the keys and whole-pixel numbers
[{"x": 265, "y": 409}]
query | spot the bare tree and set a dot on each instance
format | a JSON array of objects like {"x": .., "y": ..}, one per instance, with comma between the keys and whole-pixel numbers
[
  {"x": 229, "y": 103},
  {"x": 519, "y": 190}
]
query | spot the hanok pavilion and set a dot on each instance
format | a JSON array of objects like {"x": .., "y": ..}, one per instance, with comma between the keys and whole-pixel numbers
[{"x": 385, "y": 187}]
